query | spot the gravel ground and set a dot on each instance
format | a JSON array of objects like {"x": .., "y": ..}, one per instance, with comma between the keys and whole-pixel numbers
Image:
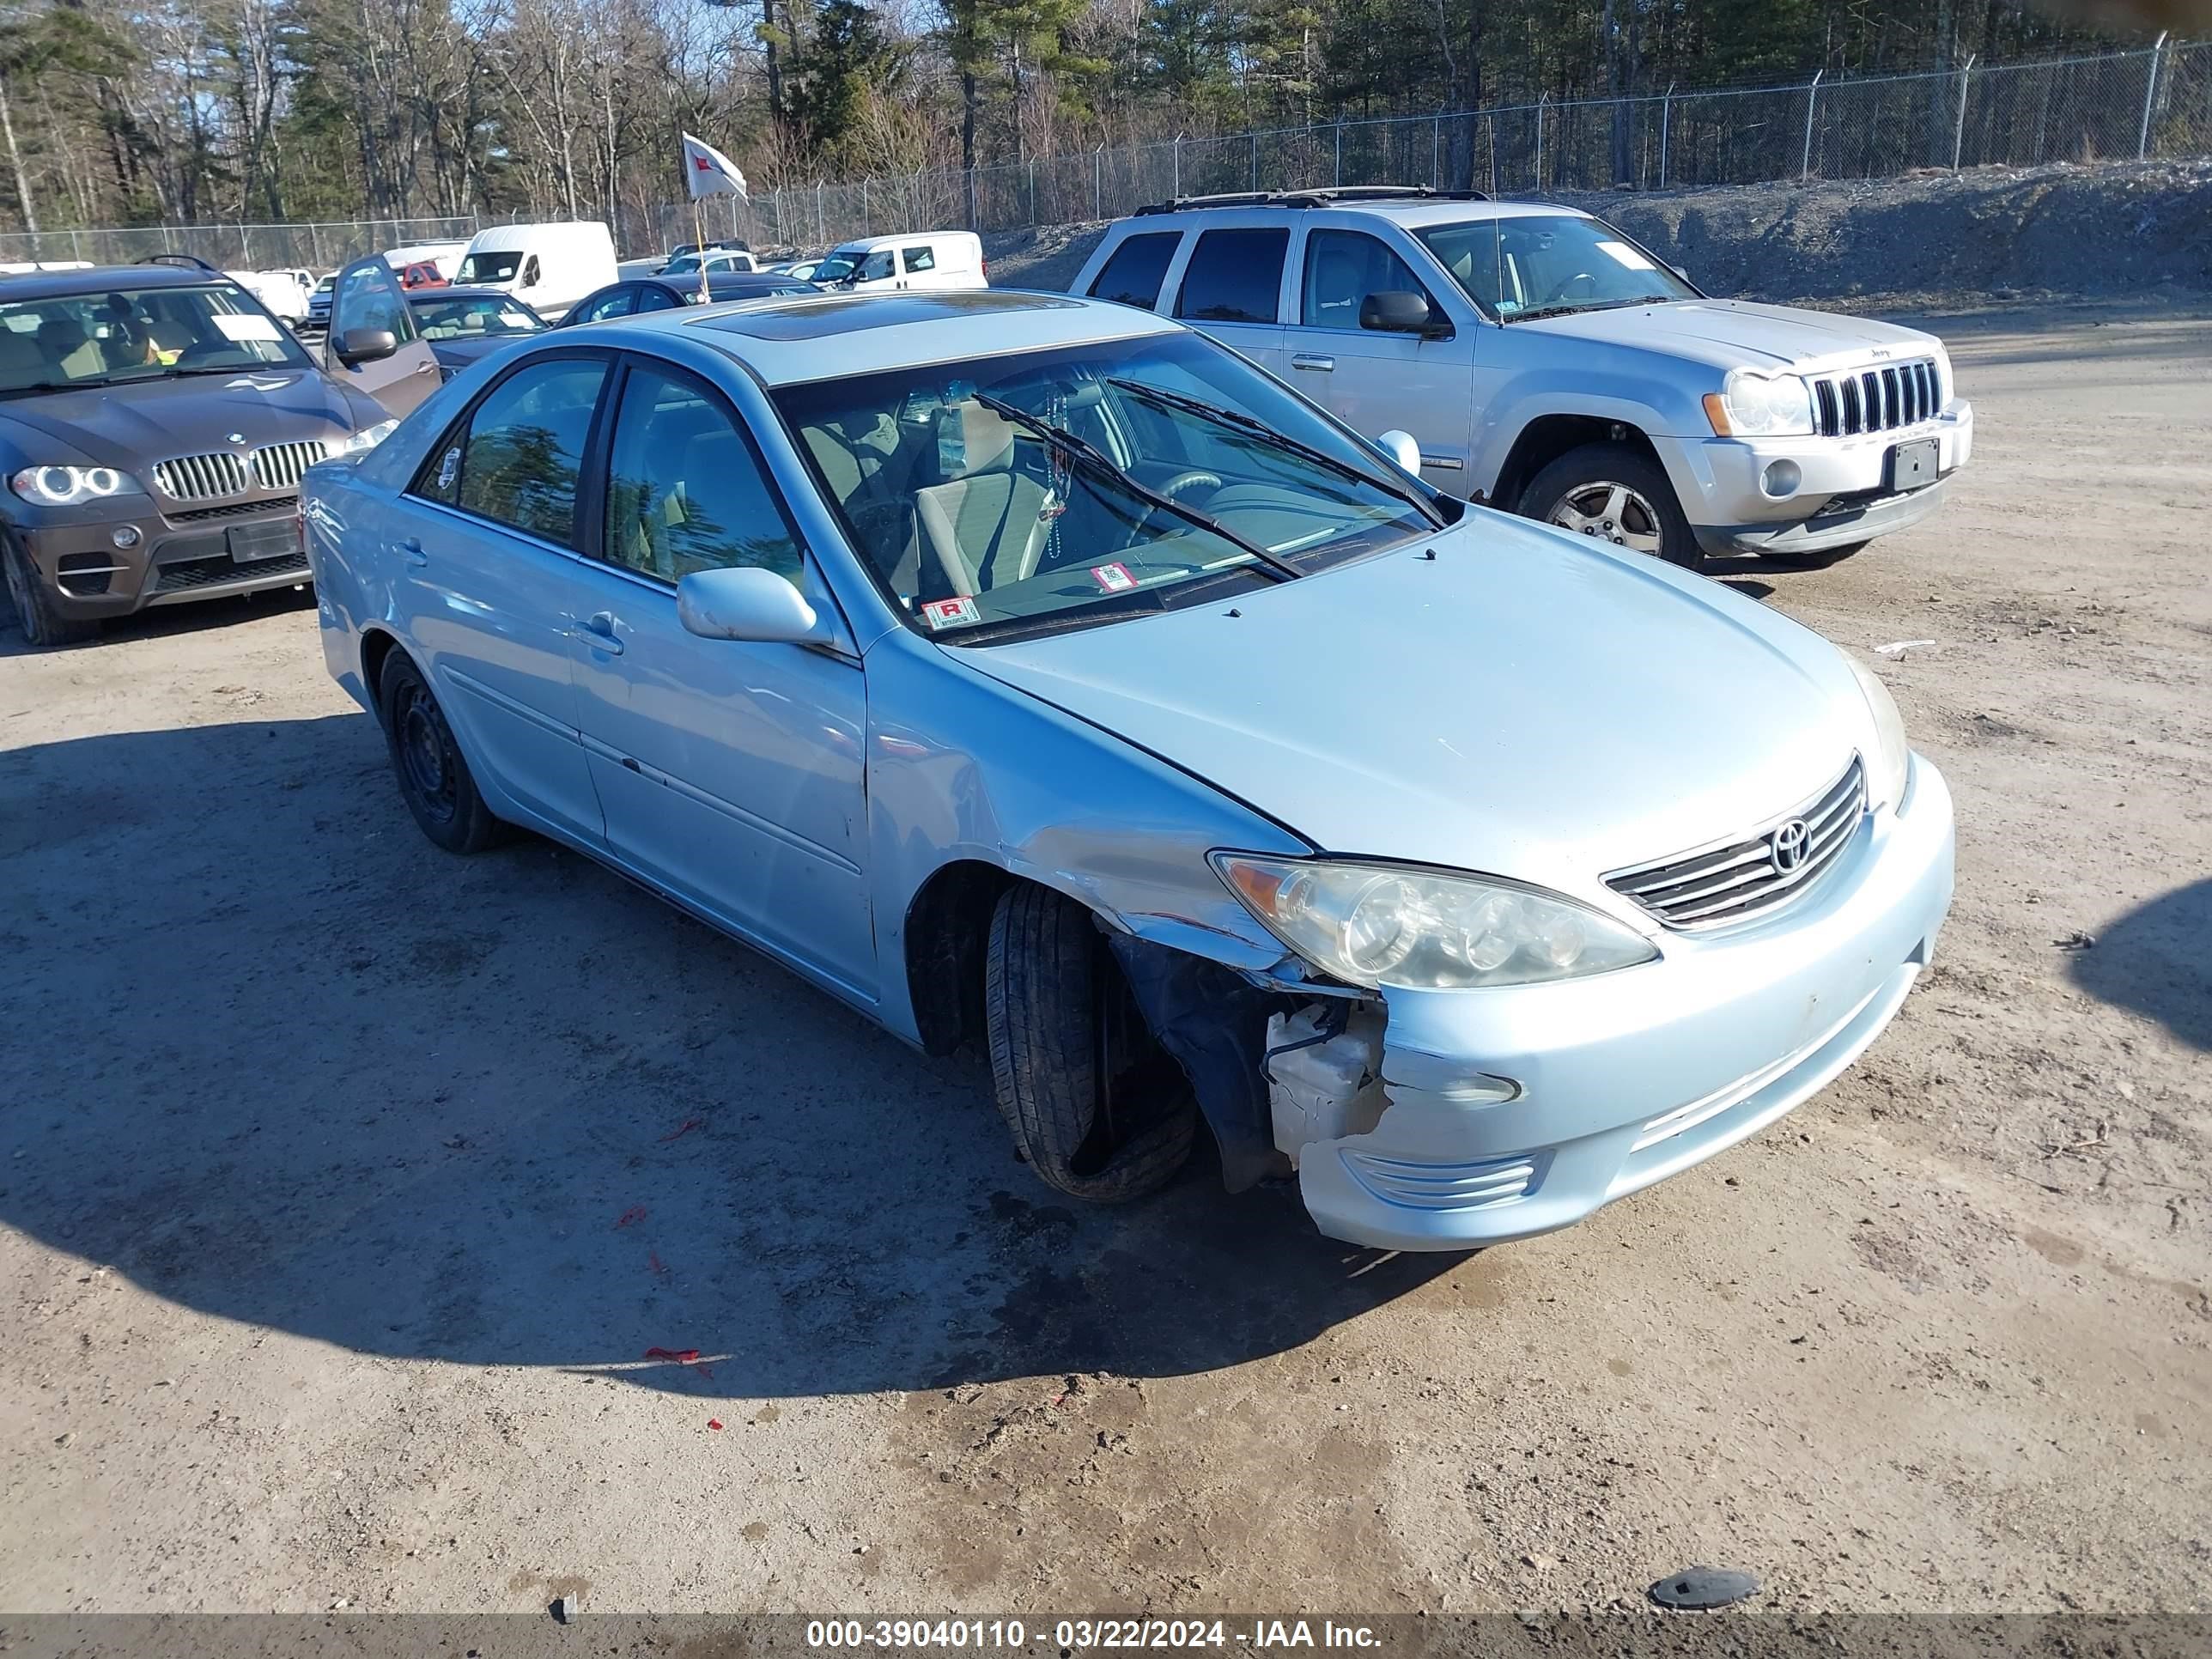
[{"x": 345, "y": 1187}]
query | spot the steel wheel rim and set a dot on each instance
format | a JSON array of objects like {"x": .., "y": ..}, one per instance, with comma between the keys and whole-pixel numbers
[
  {"x": 425, "y": 756},
  {"x": 1611, "y": 511}
]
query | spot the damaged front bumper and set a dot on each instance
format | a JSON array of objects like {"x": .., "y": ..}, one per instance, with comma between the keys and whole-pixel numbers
[{"x": 1627, "y": 1077}]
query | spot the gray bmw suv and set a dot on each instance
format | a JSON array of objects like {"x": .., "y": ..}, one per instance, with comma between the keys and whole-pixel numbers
[{"x": 154, "y": 424}]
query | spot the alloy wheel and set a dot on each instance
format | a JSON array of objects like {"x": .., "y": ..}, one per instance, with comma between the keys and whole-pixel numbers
[{"x": 1611, "y": 511}]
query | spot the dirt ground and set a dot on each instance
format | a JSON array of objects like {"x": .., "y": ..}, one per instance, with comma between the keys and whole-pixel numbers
[{"x": 345, "y": 1187}]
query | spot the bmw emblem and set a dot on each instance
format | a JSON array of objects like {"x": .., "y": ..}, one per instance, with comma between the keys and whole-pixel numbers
[
  {"x": 238, "y": 437},
  {"x": 1787, "y": 847}
]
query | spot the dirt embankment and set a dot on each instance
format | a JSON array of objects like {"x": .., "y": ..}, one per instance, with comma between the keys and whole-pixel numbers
[{"x": 1954, "y": 240}]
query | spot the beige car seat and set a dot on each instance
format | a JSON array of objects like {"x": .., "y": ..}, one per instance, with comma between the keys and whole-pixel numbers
[{"x": 981, "y": 525}]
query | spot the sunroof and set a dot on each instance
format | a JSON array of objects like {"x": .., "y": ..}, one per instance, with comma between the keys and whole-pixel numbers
[{"x": 814, "y": 319}]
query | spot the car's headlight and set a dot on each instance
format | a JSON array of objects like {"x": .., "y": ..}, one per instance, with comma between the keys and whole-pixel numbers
[
  {"x": 367, "y": 438},
  {"x": 1376, "y": 924},
  {"x": 1893, "y": 756},
  {"x": 68, "y": 486},
  {"x": 1752, "y": 404}
]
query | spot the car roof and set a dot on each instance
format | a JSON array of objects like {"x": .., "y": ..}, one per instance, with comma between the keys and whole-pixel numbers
[
  {"x": 819, "y": 336},
  {"x": 1412, "y": 212},
  {"x": 439, "y": 296},
  {"x": 50, "y": 284}
]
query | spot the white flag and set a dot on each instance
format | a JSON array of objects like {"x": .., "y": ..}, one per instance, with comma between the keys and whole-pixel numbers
[{"x": 708, "y": 172}]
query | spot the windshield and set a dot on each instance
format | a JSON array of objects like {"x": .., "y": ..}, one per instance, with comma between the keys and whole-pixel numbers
[
  {"x": 115, "y": 335},
  {"x": 1551, "y": 264},
  {"x": 682, "y": 262},
  {"x": 974, "y": 515},
  {"x": 839, "y": 265},
  {"x": 487, "y": 268},
  {"x": 472, "y": 318}
]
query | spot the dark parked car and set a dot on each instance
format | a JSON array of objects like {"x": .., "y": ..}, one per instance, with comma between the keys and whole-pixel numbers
[
  {"x": 464, "y": 324},
  {"x": 154, "y": 424},
  {"x": 644, "y": 293}
]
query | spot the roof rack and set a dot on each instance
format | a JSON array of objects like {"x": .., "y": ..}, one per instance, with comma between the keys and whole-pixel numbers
[
  {"x": 1325, "y": 196},
  {"x": 182, "y": 261}
]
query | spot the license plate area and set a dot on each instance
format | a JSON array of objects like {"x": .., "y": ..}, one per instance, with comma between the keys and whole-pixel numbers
[
  {"x": 256, "y": 543},
  {"x": 1911, "y": 465}
]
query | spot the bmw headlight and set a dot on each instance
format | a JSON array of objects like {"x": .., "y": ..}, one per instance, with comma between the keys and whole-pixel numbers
[
  {"x": 1377, "y": 925},
  {"x": 367, "y": 438},
  {"x": 1893, "y": 756},
  {"x": 1753, "y": 404},
  {"x": 68, "y": 486}
]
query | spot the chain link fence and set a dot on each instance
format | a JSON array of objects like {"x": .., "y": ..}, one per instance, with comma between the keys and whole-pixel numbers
[
  {"x": 2128, "y": 105},
  {"x": 2124, "y": 106}
]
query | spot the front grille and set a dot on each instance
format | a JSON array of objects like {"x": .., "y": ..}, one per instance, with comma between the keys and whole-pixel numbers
[
  {"x": 1876, "y": 399},
  {"x": 1744, "y": 878},
  {"x": 273, "y": 506},
  {"x": 202, "y": 478},
  {"x": 279, "y": 466},
  {"x": 1467, "y": 1186},
  {"x": 209, "y": 573}
]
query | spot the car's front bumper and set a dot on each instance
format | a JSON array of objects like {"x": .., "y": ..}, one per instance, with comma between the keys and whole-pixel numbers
[
  {"x": 1843, "y": 494},
  {"x": 179, "y": 556},
  {"x": 1630, "y": 1076}
]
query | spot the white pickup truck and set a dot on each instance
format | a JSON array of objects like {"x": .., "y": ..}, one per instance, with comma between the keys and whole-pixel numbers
[{"x": 1544, "y": 362}]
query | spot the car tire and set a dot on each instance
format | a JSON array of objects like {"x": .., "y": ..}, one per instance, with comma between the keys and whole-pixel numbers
[
  {"x": 1815, "y": 561},
  {"x": 1067, "y": 1045},
  {"x": 1617, "y": 494},
  {"x": 43, "y": 624},
  {"x": 434, "y": 779}
]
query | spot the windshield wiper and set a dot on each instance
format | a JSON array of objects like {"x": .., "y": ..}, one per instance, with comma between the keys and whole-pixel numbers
[
  {"x": 1258, "y": 429},
  {"x": 1082, "y": 449},
  {"x": 1541, "y": 312}
]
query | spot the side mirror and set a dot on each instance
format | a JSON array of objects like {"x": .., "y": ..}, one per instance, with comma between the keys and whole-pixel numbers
[
  {"x": 1400, "y": 447},
  {"x": 748, "y": 603},
  {"x": 357, "y": 346},
  {"x": 1395, "y": 312}
]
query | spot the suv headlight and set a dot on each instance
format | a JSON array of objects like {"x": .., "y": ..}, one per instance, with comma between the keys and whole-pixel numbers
[
  {"x": 1753, "y": 404},
  {"x": 367, "y": 438},
  {"x": 1376, "y": 924},
  {"x": 1893, "y": 756},
  {"x": 68, "y": 486}
]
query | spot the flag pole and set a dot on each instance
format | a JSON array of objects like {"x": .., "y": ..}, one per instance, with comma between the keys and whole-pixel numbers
[{"x": 699, "y": 235}]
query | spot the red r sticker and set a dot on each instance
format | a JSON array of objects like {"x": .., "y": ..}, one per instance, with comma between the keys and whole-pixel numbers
[
  {"x": 950, "y": 613},
  {"x": 1114, "y": 578}
]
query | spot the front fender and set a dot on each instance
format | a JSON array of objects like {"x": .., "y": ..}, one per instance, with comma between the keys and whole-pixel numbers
[{"x": 962, "y": 767}]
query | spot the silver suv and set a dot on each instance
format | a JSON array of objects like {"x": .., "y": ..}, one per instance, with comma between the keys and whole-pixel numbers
[{"x": 1546, "y": 363}]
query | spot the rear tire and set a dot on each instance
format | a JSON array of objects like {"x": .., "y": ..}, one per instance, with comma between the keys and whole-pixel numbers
[
  {"x": 36, "y": 613},
  {"x": 1612, "y": 493},
  {"x": 434, "y": 778},
  {"x": 1101, "y": 1111}
]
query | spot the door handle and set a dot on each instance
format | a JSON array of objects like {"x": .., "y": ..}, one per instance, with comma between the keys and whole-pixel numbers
[
  {"x": 425, "y": 368},
  {"x": 599, "y": 633},
  {"x": 412, "y": 551},
  {"x": 1312, "y": 360}
]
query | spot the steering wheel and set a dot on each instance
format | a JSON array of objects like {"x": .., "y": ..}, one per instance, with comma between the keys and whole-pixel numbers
[
  {"x": 1194, "y": 478},
  {"x": 1560, "y": 291}
]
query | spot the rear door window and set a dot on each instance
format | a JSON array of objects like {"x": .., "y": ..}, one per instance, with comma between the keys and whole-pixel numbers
[
  {"x": 1133, "y": 275},
  {"x": 516, "y": 459},
  {"x": 1234, "y": 276}
]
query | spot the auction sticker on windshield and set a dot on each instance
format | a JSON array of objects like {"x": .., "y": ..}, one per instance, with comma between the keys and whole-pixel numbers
[
  {"x": 243, "y": 327},
  {"x": 1621, "y": 254},
  {"x": 950, "y": 613},
  {"x": 1114, "y": 578}
]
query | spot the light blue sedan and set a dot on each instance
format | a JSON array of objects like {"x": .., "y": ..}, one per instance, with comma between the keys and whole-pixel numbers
[{"x": 1038, "y": 675}]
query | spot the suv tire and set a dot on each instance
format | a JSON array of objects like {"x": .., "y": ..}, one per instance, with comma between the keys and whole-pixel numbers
[
  {"x": 1065, "y": 1039},
  {"x": 434, "y": 778},
  {"x": 1616, "y": 494},
  {"x": 42, "y": 623}
]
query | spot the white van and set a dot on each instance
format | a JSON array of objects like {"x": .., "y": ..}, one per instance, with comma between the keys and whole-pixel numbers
[
  {"x": 929, "y": 263},
  {"x": 547, "y": 267}
]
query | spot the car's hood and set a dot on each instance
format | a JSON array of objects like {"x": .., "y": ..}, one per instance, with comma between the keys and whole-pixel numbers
[
  {"x": 1738, "y": 333},
  {"x": 1523, "y": 704},
  {"x": 131, "y": 426}
]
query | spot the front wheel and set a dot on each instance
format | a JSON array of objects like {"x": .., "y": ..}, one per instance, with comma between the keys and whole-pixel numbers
[
  {"x": 1614, "y": 493},
  {"x": 36, "y": 614},
  {"x": 1101, "y": 1111}
]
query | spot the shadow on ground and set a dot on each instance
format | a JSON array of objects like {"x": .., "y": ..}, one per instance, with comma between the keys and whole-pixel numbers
[
  {"x": 2154, "y": 960},
  {"x": 280, "y": 1061}
]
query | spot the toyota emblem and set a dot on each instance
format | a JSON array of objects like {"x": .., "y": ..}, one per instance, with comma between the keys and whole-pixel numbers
[{"x": 1787, "y": 847}]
